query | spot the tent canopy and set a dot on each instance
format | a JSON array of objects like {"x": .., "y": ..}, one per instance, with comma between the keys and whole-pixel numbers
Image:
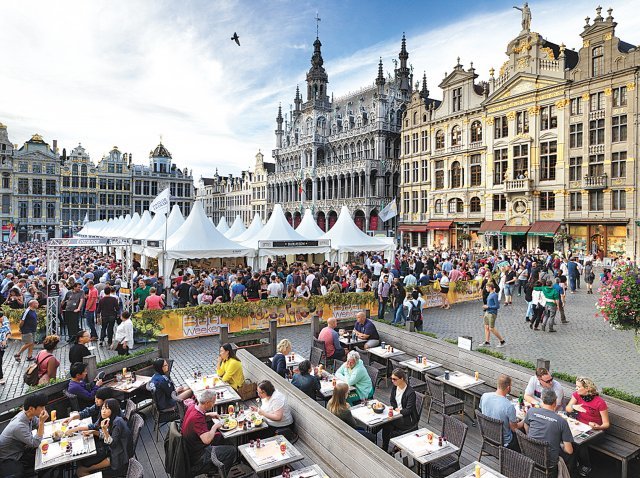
[
  {"x": 144, "y": 222},
  {"x": 254, "y": 228},
  {"x": 222, "y": 225},
  {"x": 308, "y": 227},
  {"x": 236, "y": 228},
  {"x": 197, "y": 238}
]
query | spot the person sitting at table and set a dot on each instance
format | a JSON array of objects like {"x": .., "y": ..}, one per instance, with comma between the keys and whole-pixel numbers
[
  {"x": 279, "y": 363},
  {"x": 273, "y": 408},
  {"x": 331, "y": 339},
  {"x": 545, "y": 424},
  {"x": 93, "y": 411},
  {"x": 306, "y": 382},
  {"x": 592, "y": 410},
  {"x": 166, "y": 393},
  {"x": 17, "y": 442},
  {"x": 229, "y": 367},
  {"x": 540, "y": 382},
  {"x": 354, "y": 373},
  {"x": 78, "y": 385},
  {"x": 497, "y": 405},
  {"x": 115, "y": 444},
  {"x": 47, "y": 363},
  {"x": 403, "y": 398},
  {"x": 203, "y": 441},
  {"x": 340, "y": 408},
  {"x": 124, "y": 334},
  {"x": 365, "y": 329},
  {"x": 79, "y": 349}
]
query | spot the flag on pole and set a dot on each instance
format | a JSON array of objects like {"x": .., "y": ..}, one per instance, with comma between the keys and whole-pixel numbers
[
  {"x": 390, "y": 211},
  {"x": 161, "y": 204}
]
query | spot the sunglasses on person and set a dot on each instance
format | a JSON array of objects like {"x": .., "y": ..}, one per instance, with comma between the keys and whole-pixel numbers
[{"x": 547, "y": 381}]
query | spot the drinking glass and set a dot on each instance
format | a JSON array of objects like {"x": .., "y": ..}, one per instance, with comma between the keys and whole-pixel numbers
[{"x": 118, "y": 377}]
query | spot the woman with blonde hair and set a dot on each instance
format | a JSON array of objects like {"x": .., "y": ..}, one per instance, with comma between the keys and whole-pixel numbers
[
  {"x": 338, "y": 406},
  {"x": 279, "y": 362},
  {"x": 592, "y": 410}
]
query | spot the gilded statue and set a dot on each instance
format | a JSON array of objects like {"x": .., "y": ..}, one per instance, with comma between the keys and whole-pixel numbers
[{"x": 526, "y": 16}]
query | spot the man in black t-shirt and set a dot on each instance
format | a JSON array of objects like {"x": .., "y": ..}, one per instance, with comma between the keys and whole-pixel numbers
[
  {"x": 183, "y": 292},
  {"x": 509, "y": 285},
  {"x": 253, "y": 287}
]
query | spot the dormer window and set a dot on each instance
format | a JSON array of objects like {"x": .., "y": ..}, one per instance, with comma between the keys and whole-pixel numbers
[
  {"x": 457, "y": 99},
  {"x": 597, "y": 61}
]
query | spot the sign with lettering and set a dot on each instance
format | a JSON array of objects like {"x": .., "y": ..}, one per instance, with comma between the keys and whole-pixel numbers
[
  {"x": 197, "y": 326},
  {"x": 99, "y": 241},
  {"x": 153, "y": 243},
  {"x": 293, "y": 244}
]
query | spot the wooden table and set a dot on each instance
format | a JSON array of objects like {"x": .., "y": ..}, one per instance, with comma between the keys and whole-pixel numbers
[
  {"x": 469, "y": 471},
  {"x": 313, "y": 471},
  {"x": 56, "y": 456},
  {"x": 297, "y": 359},
  {"x": 417, "y": 446},
  {"x": 350, "y": 343},
  {"x": 129, "y": 388},
  {"x": 463, "y": 382},
  {"x": 205, "y": 382},
  {"x": 370, "y": 419},
  {"x": 269, "y": 456},
  {"x": 48, "y": 426}
]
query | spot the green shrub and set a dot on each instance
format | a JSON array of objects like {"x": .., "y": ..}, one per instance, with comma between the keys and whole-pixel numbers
[
  {"x": 567, "y": 377},
  {"x": 621, "y": 395},
  {"x": 492, "y": 353},
  {"x": 53, "y": 381},
  {"x": 428, "y": 334},
  {"x": 451, "y": 341},
  {"x": 120, "y": 358},
  {"x": 523, "y": 363}
]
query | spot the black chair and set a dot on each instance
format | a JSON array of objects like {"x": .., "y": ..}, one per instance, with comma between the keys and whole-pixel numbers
[
  {"x": 491, "y": 433},
  {"x": 135, "y": 425},
  {"x": 320, "y": 345},
  {"x": 365, "y": 356},
  {"x": 373, "y": 375},
  {"x": 337, "y": 364},
  {"x": 418, "y": 385},
  {"x": 316, "y": 356},
  {"x": 181, "y": 408},
  {"x": 129, "y": 408},
  {"x": 456, "y": 433},
  {"x": 538, "y": 451},
  {"x": 442, "y": 402},
  {"x": 135, "y": 469},
  {"x": 73, "y": 400},
  {"x": 161, "y": 417},
  {"x": 515, "y": 465}
]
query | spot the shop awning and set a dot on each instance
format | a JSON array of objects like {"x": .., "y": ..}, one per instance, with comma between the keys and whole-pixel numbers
[
  {"x": 439, "y": 225},
  {"x": 491, "y": 226},
  {"x": 413, "y": 228},
  {"x": 544, "y": 228},
  {"x": 514, "y": 230}
]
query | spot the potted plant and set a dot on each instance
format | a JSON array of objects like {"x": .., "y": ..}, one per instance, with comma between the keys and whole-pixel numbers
[{"x": 619, "y": 303}]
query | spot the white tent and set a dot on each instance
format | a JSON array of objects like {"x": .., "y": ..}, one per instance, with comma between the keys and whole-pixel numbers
[
  {"x": 278, "y": 238},
  {"x": 131, "y": 231},
  {"x": 222, "y": 225},
  {"x": 172, "y": 225},
  {"x": 133, "y": 223},
  {"x": 346, "y": 237},
  {"x": 236, "y": 228},
  {"x": 197, "y": 238},
  {"x": 308, "y": 227},
  {"x": 254, "y": 228},
  {"x": 143, "y": 233}
]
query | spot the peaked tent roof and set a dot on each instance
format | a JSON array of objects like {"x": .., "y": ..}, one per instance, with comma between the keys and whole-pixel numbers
[
  {"x": 175, "y": 220},
  {"x": 222, "y": 225},
  {"x": 236, "y": 228},
  {"x": 254, "y": 228},
  {"x": 158, "y": 219},
  {"x": 347, "y": 237},
  {"x": 135, "y": 219},
  {"x": 308, "y": 227},
  {"x": 197, "y": 238},
  {"x": 277, "y": 228},
  {"x": 143, "y": 223}
]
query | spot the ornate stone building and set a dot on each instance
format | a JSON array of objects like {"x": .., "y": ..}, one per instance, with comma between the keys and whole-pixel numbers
[
  {"x": 78, "y": 193},
  {"x": 346, "y": 150},
  {"x": 6, "y": 186},
  {"x": 259, "y": 187},
  {"x": 114, "y": 184},
  {"x": 542, "y": 149}
]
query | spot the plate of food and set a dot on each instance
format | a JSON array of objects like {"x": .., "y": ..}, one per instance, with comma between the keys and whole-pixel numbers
[
  {"x": 229, "y": 424},
  {"x": 378, "y": 407}
]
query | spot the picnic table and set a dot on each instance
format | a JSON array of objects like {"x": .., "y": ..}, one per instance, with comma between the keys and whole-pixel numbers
[
  {"x": 469, "y": 471},
  {"x": 81, "y": 447},
  {"x": 418, "y": 446},
  {"x": 370, "y": 419},
  {"x": 269, "y": 455}
]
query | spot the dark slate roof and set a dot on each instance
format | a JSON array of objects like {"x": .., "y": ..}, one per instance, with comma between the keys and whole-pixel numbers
[
  {"x": 270, "y": 167},
  {"x": 570, "y": 55},
  {"x": 160, "y": 152},
  {"x": 624, "y": 47}
]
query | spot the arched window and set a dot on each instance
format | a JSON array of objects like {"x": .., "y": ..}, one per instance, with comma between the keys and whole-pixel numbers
[
  {"x": 83, "y": 170},
  {"x": 415, "y": 117},
  {"x": 455, "y": 206},
  {"x": 438, "y": 206},
  {"x": 476, "y": 131},
  {"x": 456, "y": 175},
  {"x": 439, "y": 139},
  {"x": 474, "y": 204},
  {"x": 456, "y": 136}
]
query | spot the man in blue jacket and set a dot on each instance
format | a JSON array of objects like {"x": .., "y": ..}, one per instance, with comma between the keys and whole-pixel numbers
[{"x": 490, "y": 316}]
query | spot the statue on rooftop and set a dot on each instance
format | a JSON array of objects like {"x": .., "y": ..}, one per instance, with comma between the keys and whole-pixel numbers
[{"x": 526, "y": 16}]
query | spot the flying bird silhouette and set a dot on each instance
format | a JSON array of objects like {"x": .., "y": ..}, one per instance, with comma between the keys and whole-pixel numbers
[{"x": 236, "y": 38}]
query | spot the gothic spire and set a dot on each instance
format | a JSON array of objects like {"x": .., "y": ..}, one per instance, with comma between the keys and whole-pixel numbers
[
  {"x": 317, "y": 78},
  {"x": 403, "y": 72},
  {"x": 424, "y": 92},
  {"x": 380, "y": 78}
]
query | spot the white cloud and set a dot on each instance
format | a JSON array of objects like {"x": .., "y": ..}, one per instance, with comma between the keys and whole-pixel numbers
[{"x": 108, "y": 73}]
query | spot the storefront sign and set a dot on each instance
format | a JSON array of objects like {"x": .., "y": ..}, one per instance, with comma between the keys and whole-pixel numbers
[
  {"x": 293, "y": 244},
  {"x": 196, "y": 327},
  {"x": 88, "y": 242},
  {"x": 136, "y": 242}
]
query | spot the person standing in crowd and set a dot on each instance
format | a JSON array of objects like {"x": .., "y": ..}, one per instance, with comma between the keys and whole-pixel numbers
[
  {"x": 444, "y": 289},
  {"x": 72, "y": 305},
  {"x": 18, "y": 443},
  {"x": 153, "y": 301},
  {"x": 560, "y": 288},
  {"x": 90, "y": 309},
  {"x": 124, "y": 334},
  {"x": 384, "y": 290},
  {"x": 572, "y": 274},
  {"x": 589, "y": 276},
  {"x": 490, "y": 315},
  {"x": 509, "y": 285},
  {"x": 109, "y": 310},
  {"x": 551, "y": 305},
  {"x": 47, "y": 363},
  {"x": 398, "y": 294},
  {"x": 5, "y": 333},
  {"x": 28, "y": 326},
  {"x": 79, "y": 349},
  {"x": 415, "y": 305}
]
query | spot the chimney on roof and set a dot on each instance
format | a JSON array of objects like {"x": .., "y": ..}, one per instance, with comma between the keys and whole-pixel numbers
[{"x": 55, "y": 145}]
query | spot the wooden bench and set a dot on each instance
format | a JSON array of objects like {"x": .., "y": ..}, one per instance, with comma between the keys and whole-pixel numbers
[{"x": 618, "y": 449}]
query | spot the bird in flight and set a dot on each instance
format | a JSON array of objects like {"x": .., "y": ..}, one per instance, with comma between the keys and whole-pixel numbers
[{"x": 236, "y": 38}]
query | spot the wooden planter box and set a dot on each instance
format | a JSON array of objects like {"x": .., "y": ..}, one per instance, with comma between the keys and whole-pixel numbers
[{"x": 263, "y": 350}]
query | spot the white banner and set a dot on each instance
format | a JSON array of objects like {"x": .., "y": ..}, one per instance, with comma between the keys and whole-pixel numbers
[
  {"x": 390, "y": 211},
  {"x": 162, "y": 203}
]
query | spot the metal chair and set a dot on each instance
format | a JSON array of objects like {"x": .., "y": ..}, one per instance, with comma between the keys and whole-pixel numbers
[
  {"x": 456, "y": 433},
  {"x": 73, "y": 399},
  {"x": 337, "y": 364},
  {"x": 538, "y": 451},
  {"x": 129, "y": 408},
  {"x": 420, "y": 397},
  {"x": 135, "y": 469},
  {"x": 441, "y": 401},
  {"x": 365, "y": 356},
  {"x": 491, "y": 433},
  {"x": 135, "y": 425},
  {"x": 316, "y": 356},
  {"x": 515, "y": 465},
  {"x": 161, "y": 416}
]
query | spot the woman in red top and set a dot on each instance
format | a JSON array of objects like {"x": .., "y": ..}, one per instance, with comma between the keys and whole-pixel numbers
[
  {"x": 153, "y": 301},
  {"x": 47, "y": 363},
  {"x": 592, "y": 410}
]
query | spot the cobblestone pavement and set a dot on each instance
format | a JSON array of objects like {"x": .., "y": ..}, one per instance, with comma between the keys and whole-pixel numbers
[{"x": 586, "y": 346}]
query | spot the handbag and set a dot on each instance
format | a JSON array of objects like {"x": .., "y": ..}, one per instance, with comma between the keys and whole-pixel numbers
[
  {"x": 114, "y": 345},
  {"x": 248, "y": 390}
]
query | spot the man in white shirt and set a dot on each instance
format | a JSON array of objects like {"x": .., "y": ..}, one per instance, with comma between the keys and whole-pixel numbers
[
  {"x": 538, "y": 383},
  {"x": 274, "y": 288},
  {"x": 124, "y": 334},
  {"x": 377, "y": 269}
]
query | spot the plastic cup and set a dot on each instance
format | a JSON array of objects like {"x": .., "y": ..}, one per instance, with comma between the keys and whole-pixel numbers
[
  {"x": 53, "y": 415},
  {"x": 283, "y": 447},
  {"x": 44, "y": 447},
  {"x": 430, "y": 437}
]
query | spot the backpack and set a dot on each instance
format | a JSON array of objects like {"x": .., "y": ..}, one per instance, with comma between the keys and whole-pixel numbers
[
  {"x": 416, "y": 313},
  {"x": 32, "y": 375}
]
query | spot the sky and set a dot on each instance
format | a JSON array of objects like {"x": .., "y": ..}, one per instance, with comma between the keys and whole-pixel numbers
[{"x": 127, "y": 72}]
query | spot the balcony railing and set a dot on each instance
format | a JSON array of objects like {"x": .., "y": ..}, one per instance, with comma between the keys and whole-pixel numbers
[
  {"x": 594, "y": 182},
  {"x": 596, "y": 149},
  {"x": 518, "y": 185}
]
